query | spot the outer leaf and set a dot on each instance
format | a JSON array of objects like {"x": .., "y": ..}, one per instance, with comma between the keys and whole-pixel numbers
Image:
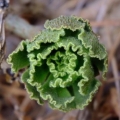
[
  {"x": 18, "y": 59},
  {"x": 34, "y": 94},
  {"x": 67, "y": 22}
]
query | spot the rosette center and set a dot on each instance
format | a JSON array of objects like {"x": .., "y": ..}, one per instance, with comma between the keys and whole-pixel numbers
[{"x": 62, "y": 63}]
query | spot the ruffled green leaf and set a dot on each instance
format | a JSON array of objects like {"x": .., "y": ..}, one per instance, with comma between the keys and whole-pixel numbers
[
  {"x": 34, "y": 94},
  {"x": 87, "y": 74},
  {"x": 62, "y": 63},
  {"x": 18, "y": 59},
  {"x": 46, "y": 36},
  {"x": 89, "y": 40},
  {"x": 82, "y": 100},
  {"x": 67, "y": 22},
  {"x": 58, "y": 97}
]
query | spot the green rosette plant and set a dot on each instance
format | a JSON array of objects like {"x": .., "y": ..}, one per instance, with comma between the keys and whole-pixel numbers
[{"x": 61, "y": 63}]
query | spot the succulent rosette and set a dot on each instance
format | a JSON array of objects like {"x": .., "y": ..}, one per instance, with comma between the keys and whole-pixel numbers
[{"x": 61, "y": 63}]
